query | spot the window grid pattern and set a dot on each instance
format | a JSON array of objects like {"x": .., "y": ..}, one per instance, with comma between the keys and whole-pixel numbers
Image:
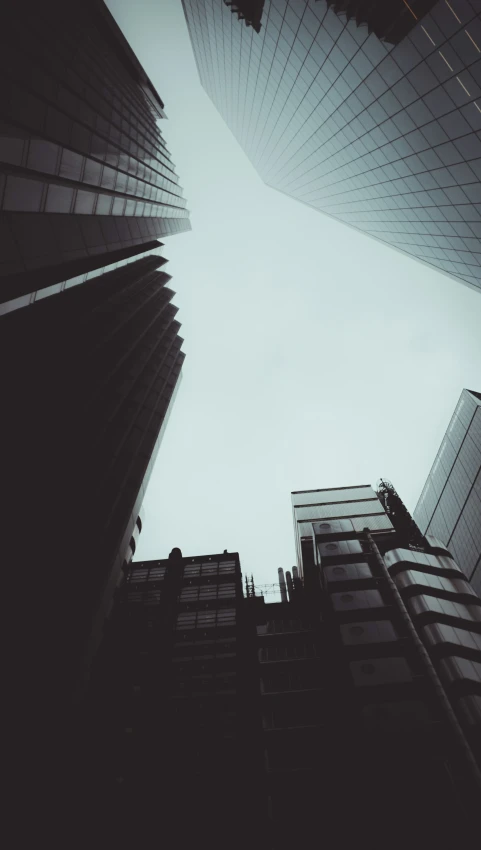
[
  {"x": 450, "y": 505},
  {"x": 140, "y": 575},
  {"x": 143, "y": 584},
  {"x": 209, "y": 592},
  {"x": 383, "y": 138},
  {"x": 209, "y": 569},
  {"x": 206, "y": 619},
  {"x": 80, "y": 134}
]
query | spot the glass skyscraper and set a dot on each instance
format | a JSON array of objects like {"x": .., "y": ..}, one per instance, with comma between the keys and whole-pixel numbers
[
  {"x": 450, "y": 505},
  {"x": 89, "y": 373},
  {"x": 370, "y": 113},
  {"x": 86, "y": 180}
]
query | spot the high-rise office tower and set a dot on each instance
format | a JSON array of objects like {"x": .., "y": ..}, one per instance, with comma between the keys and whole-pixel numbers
[
  {"x": 87, "y": 187},
  {"x": 86, "y": 180},
  {"x": 88, "y": 382},
  {"x": 171, "y": 736},
  {"x": 450, "y": 504},
  {"x": 368, "y": 112},
  {"x": 361, "y": 666}
]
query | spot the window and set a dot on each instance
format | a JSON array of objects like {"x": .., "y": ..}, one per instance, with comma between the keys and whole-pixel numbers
[
  {"x": 139, "y": 575},
  {"x": 206, "y": 619},
  {"x": 205, "y": 592},
  {"x": 209, "y": 569}
]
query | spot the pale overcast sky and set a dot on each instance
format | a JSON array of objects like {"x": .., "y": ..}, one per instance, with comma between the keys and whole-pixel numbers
[{"x": 316, "y": 357}]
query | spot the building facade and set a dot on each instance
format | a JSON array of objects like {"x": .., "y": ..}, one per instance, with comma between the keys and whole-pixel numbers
[
  {"x": 361, "y": 666},
  {"x": 86, "y": 180},
  {"x": 450, "y": 504},
  {"x": 369, "y": 113},
  {"x": 358, "y": 695},
  {"x": 171, "y": 725},
  {"x": 90, "y": 383}
]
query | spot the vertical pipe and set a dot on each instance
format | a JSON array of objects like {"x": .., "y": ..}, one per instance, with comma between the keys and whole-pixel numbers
[
  {"x": 290, "y": 586},
  {"x": 282, "y": 584}
]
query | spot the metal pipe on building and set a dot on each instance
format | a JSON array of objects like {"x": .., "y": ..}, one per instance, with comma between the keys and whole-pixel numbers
[
  {"x": 428, "y": 665},
  {"x": 290, "y": 586},
  {"x": 282, "y": 584},
  {"x": 296, "y": 581}
]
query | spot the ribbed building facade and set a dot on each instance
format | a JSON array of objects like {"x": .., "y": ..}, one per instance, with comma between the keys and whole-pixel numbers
[
  {"x": 92, "y": 360},
  {"x": 91, "y": 380},
  {"x": 450, "y": 504},
  {"x": 86, "y": 180},
  {"x": 367, "y": 112}
]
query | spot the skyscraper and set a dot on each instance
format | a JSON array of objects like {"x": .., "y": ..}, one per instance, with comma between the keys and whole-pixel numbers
[
  {"x": 92, "y": 358},
  {"x": 368, "y": 112},
  {"x": 450, "y": 504},
  {"x": 86, "y": 396},
  {"x": 86, "y": 179},
  {"x": 92, "y": 377}
]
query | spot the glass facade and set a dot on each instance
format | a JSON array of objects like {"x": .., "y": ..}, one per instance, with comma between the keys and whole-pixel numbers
[
  {"x": 84, "y": 170},
  {"x": 360, "y": 505},
  {"x": 382, "y": 136},
  {"x": 449, "y": 507}
]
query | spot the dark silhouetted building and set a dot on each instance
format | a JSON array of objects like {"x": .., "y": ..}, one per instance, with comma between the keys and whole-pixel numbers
[
  {"x": 87, "y": 187},
  {"x": 88, "y": 381},
  {"x": 86, "y": 180},
  {"x": 356, "y": 698},
  {"x": 171, "y": 708},
  {"x": 450, "y": 505},
  {"x": 369, "y": 112}
]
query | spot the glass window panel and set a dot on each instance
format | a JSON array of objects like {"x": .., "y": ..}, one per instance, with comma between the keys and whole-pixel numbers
[
  {"x": 43, "y": 156},
  {"x": 71, "y": 165},
  {"x": 22, "y": 195},
  {"x": 85, "y": 202},
  {"x": 92, "y": 172},
  {"x": 104, "y": 204}
]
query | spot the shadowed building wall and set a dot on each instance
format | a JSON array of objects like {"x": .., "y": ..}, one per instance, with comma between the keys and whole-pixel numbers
[{"x": 86, "y": 393}]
